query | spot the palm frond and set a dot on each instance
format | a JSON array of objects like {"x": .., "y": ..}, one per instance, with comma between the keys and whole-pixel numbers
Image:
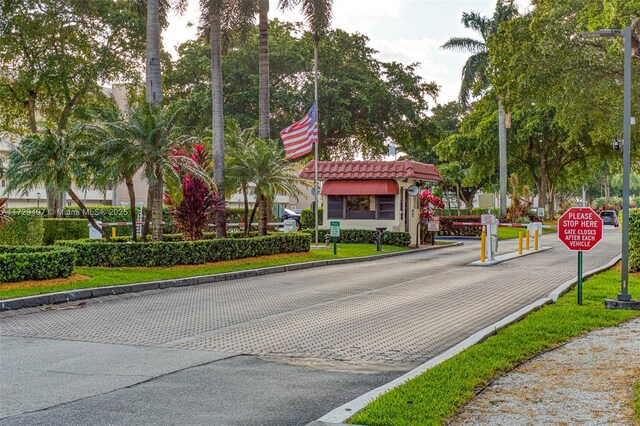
[
  {"x": 473, "y": 76},
  {"x": 478, "y": 23},
  {"x": 464, "y": 44}
]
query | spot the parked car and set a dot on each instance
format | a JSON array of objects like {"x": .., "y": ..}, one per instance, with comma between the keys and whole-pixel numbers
[
  {"x": 610, "y": 217},
  {"x": 292, "y": 214}
]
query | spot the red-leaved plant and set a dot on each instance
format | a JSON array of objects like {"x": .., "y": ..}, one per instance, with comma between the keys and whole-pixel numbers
[
  {"x": 4, "y": 218},
  {"x": 199, "y": 203},
  {"x": 429, "y": 203}
]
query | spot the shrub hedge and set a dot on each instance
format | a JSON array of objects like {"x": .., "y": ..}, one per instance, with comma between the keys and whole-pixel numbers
[
  {"x": 19, "y": 263},
  {"x": 307, "y": 219},
  {"x": 634, "y": 240},
  {"x": 100, "y": 213},
  {"x": 365, "y": 236},
  {"x": 23, "y": 230},
  {"x": 65, "y": 229},
  {"x": 447, "y": 227},
  {"x": 123, "y": 253}
]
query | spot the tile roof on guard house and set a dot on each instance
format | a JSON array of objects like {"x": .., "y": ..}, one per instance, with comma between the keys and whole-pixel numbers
[{"x": 372, "y": 170}]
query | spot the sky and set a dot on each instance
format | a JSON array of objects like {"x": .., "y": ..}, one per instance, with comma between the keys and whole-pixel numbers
[{"x": 404, "y": 31}]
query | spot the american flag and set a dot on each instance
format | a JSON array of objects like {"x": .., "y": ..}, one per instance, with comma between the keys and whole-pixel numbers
[{"x": 300, "y": 136}]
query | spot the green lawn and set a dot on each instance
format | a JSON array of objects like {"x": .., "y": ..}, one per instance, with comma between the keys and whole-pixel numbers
[
  {"x": 437, "y": 394},
  {"x": 636, "y": 402},
  {"x": 85, "y": 277},
  {"x": 508, "y": 233}
]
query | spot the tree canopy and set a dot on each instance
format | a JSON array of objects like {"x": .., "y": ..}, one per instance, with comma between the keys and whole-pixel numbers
[{"x": 368, "y": 102}]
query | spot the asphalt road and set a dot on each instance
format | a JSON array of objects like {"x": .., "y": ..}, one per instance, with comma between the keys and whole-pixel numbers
[{"x": 282, "y": 349}]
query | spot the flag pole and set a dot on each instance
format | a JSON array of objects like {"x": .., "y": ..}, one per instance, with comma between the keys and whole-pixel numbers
[{"x": 315, "y": 163}]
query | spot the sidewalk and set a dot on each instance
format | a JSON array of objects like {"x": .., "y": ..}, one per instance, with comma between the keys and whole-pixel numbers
[{"x": 584, "y": 382}]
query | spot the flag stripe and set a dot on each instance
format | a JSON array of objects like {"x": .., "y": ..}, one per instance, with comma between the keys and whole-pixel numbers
[{"x": 298, "y": 138}]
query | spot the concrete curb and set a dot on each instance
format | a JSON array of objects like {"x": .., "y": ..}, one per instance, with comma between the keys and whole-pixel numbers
[
  {"x": 89, "y": 293},
  {"x": 341, "y": 414}
]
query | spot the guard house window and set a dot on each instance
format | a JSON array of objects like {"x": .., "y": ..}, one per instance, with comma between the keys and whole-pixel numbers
[
  {"x": 386, "y": 206},
  {"x": 361, "y": 207},
  {"x": 336, "y": 207}
]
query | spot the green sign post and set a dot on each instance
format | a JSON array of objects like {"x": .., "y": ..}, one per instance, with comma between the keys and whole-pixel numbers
[{"x": 334, "y": 227}]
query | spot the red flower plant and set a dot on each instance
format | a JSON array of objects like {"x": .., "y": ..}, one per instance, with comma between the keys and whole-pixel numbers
[
  {"x": 199, "y": 204},
  {"x": 429, "y": 203}
]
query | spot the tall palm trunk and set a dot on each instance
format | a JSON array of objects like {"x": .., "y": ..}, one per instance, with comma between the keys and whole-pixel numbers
[
  {"x": 217, "y": 117},
  {"x": 147, "y": 216},
  {"x": 245, "y": 214},
  {"x": 153, "y": 70},
  {"x": 263, "y": 215},
  {"x": 154, "y": 97},
  {"x": 87, "y": 213},
  {"x": 253, "y": 212},
  {"x": 263, "y": 70},
  {"x": 132, "y": 206},
  {"x": 156, "y": 207},
  {"x": 54, "y": 205}
]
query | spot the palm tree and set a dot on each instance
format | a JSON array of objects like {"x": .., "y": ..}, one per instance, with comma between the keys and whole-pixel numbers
[
  {"x": 156, "y": 13},
  {"x": 212, "y": 11},
  {"x": 317, "y": 13},
  {"x": 239, "y": 168},
  {"x": 272, "y": 174},
  {"x": 51, "y": 158},
  {"x": 150, "y": 133},
  {"x": 476, "y": 72},
  {"x": 115, "y": 154}
]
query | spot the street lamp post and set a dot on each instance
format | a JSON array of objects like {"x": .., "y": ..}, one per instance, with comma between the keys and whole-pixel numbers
[
  {"x": 38, "y": 195},
  {"x": 626, "y": 34}
]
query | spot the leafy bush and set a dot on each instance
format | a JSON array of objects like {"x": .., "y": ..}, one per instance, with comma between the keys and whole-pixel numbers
[
  {"x": 195, "y": 205},
  {"x": 100, "y": 213},
  {"x": 634, "y": 240},
  {"x": 21, "y": 263},
  {"x": 234, "y": 215},
  {"x": 22, "y": 230},
  {"x": 124, "y": 253},
  {"x": 365, "y": 236},
  {"x": 307, "y": 219},
  {"x": 447, "y": 228},
  {"x": 615, "y": 203},
  {"x": 65, "y": 229}
]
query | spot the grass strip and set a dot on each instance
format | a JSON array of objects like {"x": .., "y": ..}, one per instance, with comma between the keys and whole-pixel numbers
[
  {"x": 636, "y": 401},
  {"x": 506, "y": 233},
  {"x": 84, "y": 277},
  {"x": 437, "y": 394}
]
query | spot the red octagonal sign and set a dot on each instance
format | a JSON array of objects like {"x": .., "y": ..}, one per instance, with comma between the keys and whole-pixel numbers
[{"x": 580, "y": 228}]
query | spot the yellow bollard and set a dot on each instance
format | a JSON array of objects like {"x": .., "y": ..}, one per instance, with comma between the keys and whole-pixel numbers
[
  {"x": 483, "y": 244},
  {"x": 528, "y": 237},
  {"x": 113, "y": 232},
  {"x": 535, "y": 240},
  {"x": 520, "y": 235}
]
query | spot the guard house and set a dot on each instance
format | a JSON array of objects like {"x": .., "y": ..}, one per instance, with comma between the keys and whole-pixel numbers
[{"x": 372, "y": 194}]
